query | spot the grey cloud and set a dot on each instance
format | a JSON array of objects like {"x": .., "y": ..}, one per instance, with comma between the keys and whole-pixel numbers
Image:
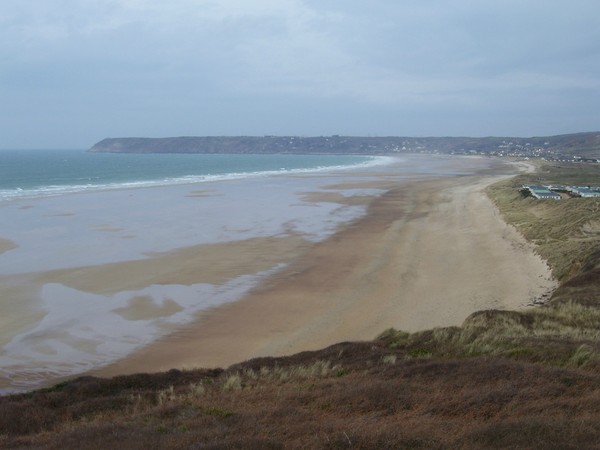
[{"x": 148, "y": 67}]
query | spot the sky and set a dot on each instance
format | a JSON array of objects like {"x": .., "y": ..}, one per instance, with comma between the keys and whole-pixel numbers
[{"x": 73, "y": 72}]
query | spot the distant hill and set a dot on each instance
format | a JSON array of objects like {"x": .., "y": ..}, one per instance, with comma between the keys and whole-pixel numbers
[{"x": 584, "y": 145}]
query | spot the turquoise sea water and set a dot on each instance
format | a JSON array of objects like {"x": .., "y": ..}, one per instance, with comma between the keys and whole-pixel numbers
[{"x": 38, "y": 173}]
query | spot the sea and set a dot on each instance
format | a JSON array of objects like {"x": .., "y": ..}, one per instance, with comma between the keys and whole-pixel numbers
[{"x": 42, "y": 173}]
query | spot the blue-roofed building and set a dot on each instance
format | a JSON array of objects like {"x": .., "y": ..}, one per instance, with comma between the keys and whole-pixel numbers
[
  {"x": 584, "y": 192},
  {"x": 541, "y": 192}
]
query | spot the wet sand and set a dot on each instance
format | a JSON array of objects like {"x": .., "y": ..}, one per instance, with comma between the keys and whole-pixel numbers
[
  {"x": 6, "y": 245},
  {"x": 427, "y": 254}
]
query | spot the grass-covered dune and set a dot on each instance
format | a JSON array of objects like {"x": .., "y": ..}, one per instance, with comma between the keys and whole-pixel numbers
[
  {"x": 504, "y": 379},
  {"x": 351, "y": 395},
  {"x": 566, "y": 232}
]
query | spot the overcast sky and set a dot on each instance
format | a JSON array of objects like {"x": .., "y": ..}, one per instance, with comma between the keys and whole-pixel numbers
[{"x": 73, "y": 72}]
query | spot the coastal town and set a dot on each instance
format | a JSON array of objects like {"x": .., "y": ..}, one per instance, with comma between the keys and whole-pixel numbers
[{"x": 577, "y": 147}]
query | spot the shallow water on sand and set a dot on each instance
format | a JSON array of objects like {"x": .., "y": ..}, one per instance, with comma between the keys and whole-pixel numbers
[{"x": 53, "y": 328}]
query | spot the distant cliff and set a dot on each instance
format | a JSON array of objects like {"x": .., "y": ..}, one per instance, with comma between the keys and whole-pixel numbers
[
  {"x": 253, "y": 144},
  {"x": 582, "y": 144}
]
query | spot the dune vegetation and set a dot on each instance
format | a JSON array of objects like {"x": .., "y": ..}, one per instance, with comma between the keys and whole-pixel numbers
[
  {"x": 566, "y": 233},
  {"x": 504, "y": 379}
]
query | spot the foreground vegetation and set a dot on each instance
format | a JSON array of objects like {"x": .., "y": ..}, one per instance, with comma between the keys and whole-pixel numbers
[
  {"x": 358, "y": 395},
  {"x": 504, "y": 379}
]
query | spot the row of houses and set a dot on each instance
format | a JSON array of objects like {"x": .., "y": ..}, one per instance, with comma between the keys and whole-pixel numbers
[
  {"x": 583, "y": 191},
  {"x": 551, "y": 191},
  {"x": 540, "y": 192}
]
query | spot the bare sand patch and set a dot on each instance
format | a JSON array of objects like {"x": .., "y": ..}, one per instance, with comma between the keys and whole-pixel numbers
[
  {"x": 6, "y": 245},
  {"x": 206, "y": 263},
  {"x": 143, "y": 308},
  {"x": 365, "y": 184},
  {"x": 335, "y": 197},
  {"x": 591, "y": 227},
  {"x": 202, "y": 193},
  {"x": 19, "y": 310},
  {"x": 61, "y": 214},
  {"x": 427, "y": 254},
  {"x": 107, "y": 228}
]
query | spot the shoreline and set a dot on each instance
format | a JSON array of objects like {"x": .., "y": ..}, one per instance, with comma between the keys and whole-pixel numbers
[
  {"x": 95, "y": 276},
  {"x": 293, "y": 265},
  {"x": 421, "y": 257}
]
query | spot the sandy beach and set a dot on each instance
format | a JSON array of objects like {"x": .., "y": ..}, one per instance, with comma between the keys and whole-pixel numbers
[
  {"x": 427, "y": 254},
  {"x": 201, "y": 279}
]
